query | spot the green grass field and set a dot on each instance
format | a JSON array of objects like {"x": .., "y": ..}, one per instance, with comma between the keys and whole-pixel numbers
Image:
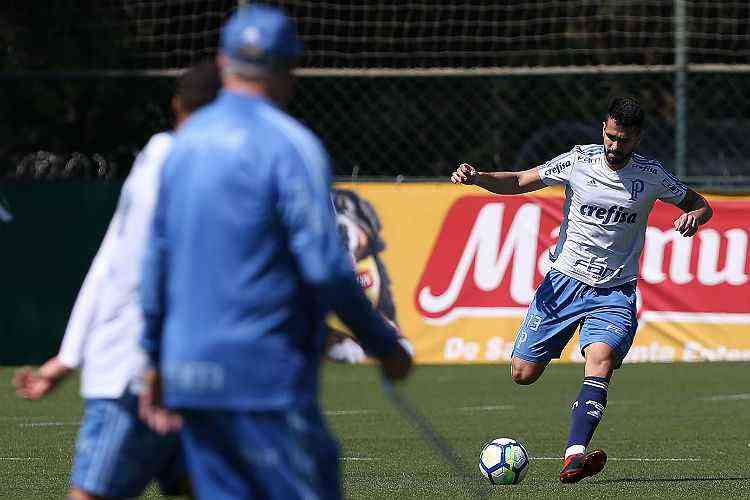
[{"x": 671, "y": 431}]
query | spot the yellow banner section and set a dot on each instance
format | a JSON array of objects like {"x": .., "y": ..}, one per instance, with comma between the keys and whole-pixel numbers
[{"x": 399, "y": 225}]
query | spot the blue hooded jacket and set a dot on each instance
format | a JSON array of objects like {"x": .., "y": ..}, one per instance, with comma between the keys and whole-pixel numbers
[{"x": 245, "y": 260}]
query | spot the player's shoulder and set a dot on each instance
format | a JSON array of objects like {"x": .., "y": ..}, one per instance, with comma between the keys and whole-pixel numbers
[
  {"x": 588, "y": 151},
  {"x": 585, "y": 153},
  {"x": 578, "y": 153},
  {"x": 290, "y": 136},
  {"x": 159, "y": 143},
  {"x": 287, "y": 127},
  {"x": 155, "y": 150},
  {"x": 650, "y": 167}
]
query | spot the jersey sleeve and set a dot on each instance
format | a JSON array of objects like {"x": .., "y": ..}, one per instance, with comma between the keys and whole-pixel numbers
[
  {"x": 153, "y": 277},
  {"x": 85, "y": 307},
  {"x": 670, "y": 189},
  {"x": 558, "y": 170}
]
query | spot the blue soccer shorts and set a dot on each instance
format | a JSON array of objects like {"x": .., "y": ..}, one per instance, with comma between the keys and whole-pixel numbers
[
  {"x": 561, "y": 304},
  {"x": 117, "y": 455},
  {"x": 274, "y": 455}
]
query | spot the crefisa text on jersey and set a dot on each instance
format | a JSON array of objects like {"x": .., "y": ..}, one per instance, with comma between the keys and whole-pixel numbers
[
  {"x": 615, "y": 214},
  {"x": 559, "y": 167}
]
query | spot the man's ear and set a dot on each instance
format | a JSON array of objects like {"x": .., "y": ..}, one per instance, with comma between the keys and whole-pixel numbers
[
  {"x": 176, "y": 105},
  {"x": 180, "y": 114}
]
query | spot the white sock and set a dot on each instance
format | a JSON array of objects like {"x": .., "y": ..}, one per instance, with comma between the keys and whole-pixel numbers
[{"x": 574, "y": 450}]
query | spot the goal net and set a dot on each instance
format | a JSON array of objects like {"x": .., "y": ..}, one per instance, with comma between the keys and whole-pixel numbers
[
  {"x": 414, "y": 34},
  {"x": 412, "y": 87}
]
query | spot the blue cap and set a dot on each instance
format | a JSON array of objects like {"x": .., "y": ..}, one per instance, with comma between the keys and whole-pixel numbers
[{"x": 259, "y": 38}]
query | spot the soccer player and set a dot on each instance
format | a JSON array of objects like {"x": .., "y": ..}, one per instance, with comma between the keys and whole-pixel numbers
[
  {"x": 117, "y": 455},
  {"x": 609, "y": 193},
  {"x": 244, "y": 261}
]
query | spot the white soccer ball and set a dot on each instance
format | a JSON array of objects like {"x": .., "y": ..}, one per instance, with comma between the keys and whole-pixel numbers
[{"x": 504, "y": 461}]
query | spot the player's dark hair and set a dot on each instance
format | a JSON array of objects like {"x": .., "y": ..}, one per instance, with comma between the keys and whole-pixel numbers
[
  {"x": 626, "y": 111},
  {"x": 198, "y": 86}
]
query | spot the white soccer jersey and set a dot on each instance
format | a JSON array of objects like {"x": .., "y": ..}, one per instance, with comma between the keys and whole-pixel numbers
[
  {"x": 605, "y": 212},
  {"x": 106, "y": 321}
]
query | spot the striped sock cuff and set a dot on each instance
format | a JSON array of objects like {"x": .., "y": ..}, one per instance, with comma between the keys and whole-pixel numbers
[{"x": 599, "y": 382}]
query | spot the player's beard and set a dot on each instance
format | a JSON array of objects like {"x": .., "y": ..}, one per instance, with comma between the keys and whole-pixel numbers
[{"x": 616, "y": 158}]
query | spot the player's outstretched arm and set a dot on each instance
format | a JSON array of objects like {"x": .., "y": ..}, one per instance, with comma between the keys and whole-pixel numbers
[
  {"x": 499, "y": 182},
  {"x": 697, "y": 212}
]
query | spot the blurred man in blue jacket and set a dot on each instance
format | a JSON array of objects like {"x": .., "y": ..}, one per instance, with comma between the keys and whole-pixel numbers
[{"x": 245, "y": 260}]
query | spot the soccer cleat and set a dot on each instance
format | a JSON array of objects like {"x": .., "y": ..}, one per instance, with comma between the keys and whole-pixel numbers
[{"x": 578, "y": 466}]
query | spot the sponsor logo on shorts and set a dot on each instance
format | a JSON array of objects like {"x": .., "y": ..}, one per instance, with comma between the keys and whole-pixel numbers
[{"x": 597, "y": 270}]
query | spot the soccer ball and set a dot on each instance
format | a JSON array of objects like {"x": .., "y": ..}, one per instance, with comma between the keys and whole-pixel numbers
[{"x": 504, "y": 461}]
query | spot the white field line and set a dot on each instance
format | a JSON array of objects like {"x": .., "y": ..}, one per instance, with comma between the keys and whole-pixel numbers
[
  {"x": 48, "y": 424},
  {"x": 21, "y": 418},
  {"x": 615, "y": 459},
  {"x": 728, "y": 397},
  {"x": 486, "y": 408},
  {"x": 333, "y": 413},
  {"x": 619, "y": 459},
  {"x": 20, "y": 458}
]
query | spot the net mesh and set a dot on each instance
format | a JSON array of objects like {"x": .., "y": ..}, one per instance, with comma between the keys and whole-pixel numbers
[
  {"x": 172, "y": 34},
  {"x": 397, "y": 87}
]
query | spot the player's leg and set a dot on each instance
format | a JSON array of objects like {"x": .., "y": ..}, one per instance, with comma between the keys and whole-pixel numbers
[
  {"x": 526, "y": 372},
  {"x": 586, "y": 413},
  {"x": 550, "y": 322},
  {"x": 116, "y": 454},
  {"x": 606, "y": 337}
]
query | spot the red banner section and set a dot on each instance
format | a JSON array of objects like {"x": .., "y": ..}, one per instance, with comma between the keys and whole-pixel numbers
[{"x": 491, "y": 253}]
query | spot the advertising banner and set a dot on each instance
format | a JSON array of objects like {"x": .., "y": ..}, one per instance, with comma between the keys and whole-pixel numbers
[{"x": 456, "y": 268}]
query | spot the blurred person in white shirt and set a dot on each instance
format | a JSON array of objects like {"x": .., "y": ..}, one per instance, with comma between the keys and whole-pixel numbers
[{"x": 116, "y": 454}]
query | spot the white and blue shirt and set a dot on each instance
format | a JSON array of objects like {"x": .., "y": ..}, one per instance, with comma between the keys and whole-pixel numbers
[
  {"x": 106, "y": 322},
  {"x": 605, "y": 212}
]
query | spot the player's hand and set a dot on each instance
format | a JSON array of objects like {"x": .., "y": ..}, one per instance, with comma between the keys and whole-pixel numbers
[
  {"x": 150, "y": 409},
  {"x": 464, "y": 174},
  {"x": 686, "y": 224},
  {"x": 35, "y": 384},
  {"x": 30, "y": 384},
  {"x": 397, "y": 364}
]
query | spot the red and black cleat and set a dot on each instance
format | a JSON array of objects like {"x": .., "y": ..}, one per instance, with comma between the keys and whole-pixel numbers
[{"x": 578, "y": 466}]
